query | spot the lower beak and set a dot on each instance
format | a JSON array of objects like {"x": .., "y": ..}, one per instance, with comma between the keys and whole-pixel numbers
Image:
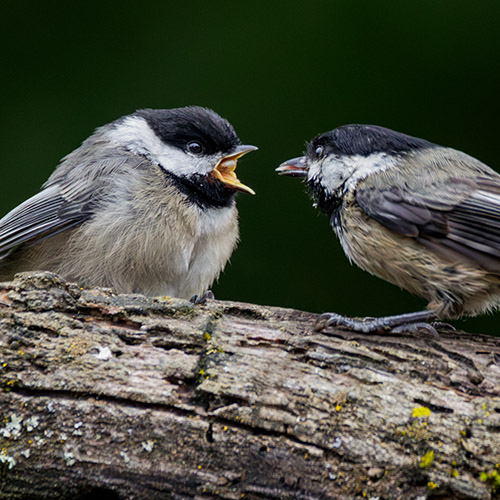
[
  {"x": 224, "y": 170},
  {"x": 296, "y": 167}
]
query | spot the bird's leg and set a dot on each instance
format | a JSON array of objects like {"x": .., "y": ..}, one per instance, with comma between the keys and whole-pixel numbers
[
  {"x": 197, "y": 300},
  {"x": 409, "y": 322}
]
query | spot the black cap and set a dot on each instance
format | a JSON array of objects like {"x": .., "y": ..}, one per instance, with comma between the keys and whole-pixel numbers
[
  {"x": 365, "y": 140},
  {"x": 178, "y": 126}
]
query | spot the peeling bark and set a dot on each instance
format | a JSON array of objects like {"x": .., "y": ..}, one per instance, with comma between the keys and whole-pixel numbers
[{"x": 145, "y": 398}]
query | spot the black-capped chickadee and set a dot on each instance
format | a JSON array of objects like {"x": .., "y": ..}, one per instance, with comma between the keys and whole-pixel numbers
[
  {"x": 146, "y": 204},
  {"x": 421, "y": 216}
]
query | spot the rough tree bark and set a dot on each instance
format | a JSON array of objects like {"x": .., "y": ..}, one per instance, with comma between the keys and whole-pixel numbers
[{"x": 156, "y": 398}]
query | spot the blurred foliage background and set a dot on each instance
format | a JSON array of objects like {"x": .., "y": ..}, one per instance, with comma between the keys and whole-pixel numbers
[{"x": 281, "y": 72}]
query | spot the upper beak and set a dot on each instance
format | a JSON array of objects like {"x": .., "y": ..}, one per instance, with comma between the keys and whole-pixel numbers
[
  {"x": 224, "y": 170},
  {"x": 296, "y": 167}
]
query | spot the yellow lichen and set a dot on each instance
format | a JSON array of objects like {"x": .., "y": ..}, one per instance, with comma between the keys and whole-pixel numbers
[
  {"x": 421, "y": 411},
  {"x": 8, "y": 385},
  {"x": 432, "y": 485},
  {"x": 427, "y": 459},
  {"x": 338, "y": 408}
]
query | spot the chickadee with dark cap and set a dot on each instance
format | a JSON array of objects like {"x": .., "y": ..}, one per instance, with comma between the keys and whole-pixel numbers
[
  {"x": 421, "y": 216},
  {"x": 145, "y": 205}
]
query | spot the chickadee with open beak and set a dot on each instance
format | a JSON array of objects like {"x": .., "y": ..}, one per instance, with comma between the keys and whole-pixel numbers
[
  {"x": 421, "y": 216},
  {"x": 146, "y": 205}
]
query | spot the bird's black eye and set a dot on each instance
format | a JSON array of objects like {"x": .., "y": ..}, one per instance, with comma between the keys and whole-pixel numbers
[
  {"x": 194, "y": 147},
  {"x": 319, "y": 151}
]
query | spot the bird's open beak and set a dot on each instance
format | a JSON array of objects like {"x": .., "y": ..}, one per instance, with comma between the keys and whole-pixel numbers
[
  {"x": 296, "y": 167},
  {"x": 224, "y": 170}
]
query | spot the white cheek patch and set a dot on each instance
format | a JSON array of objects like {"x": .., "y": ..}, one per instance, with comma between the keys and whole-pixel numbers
[
  {"x": 361, "y": 167},
  {"x": 314, "y": 171},
  {"x": 347, "y": 171},
  {"x": 136, "y": 135},
  {"x": 329, "y": 173}
]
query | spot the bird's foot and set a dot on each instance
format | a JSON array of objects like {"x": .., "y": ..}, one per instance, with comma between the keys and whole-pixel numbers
[
  {"x": 197, "y": 300},
  {"x": 365, "y": 325},
  {"x": 411, "y": 323},
  {"x": 443, "y": 326},
  {"x": 416, "y": 328}
]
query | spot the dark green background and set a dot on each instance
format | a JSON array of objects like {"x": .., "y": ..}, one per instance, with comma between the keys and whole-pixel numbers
[{"x": 281, "y": 72}]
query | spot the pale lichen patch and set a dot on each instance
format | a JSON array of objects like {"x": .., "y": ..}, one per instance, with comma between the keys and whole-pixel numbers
[
  {"x": 148, "y": 445},
  {"x": 7, "y": 459},
  {"x": 13, "y": 428}
]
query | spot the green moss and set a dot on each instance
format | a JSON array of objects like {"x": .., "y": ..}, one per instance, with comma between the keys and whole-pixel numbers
[{"x": 492, "y": 479}]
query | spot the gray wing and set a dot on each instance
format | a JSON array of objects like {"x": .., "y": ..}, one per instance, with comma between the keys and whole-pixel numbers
[
  {"x": 457, "y": 218},
  {"x": 69, "y": 196},
  {"x": 54, "y": 209}
]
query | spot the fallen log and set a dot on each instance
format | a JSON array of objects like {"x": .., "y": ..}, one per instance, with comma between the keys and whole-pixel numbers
[{"x": 148, "y": 398}]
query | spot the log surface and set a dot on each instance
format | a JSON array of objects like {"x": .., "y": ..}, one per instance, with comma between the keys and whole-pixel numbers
[{"x": 143, "y": 398}]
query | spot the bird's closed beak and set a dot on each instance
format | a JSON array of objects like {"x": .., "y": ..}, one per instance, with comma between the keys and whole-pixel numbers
[
  {"x": 224, "y": 170},
  {"x": 296, "y": 167}
]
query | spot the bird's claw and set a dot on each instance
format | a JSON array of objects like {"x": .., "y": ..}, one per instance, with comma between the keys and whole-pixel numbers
[
  {"x": 416, "y": 328},
  {"x": 365, "y": 325},
  {"x": 402, "y": 323},
  {"x": 443, "y": 326},
  {"x": 325, "y": 320},
  {"x": 197, "y": 300}
]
